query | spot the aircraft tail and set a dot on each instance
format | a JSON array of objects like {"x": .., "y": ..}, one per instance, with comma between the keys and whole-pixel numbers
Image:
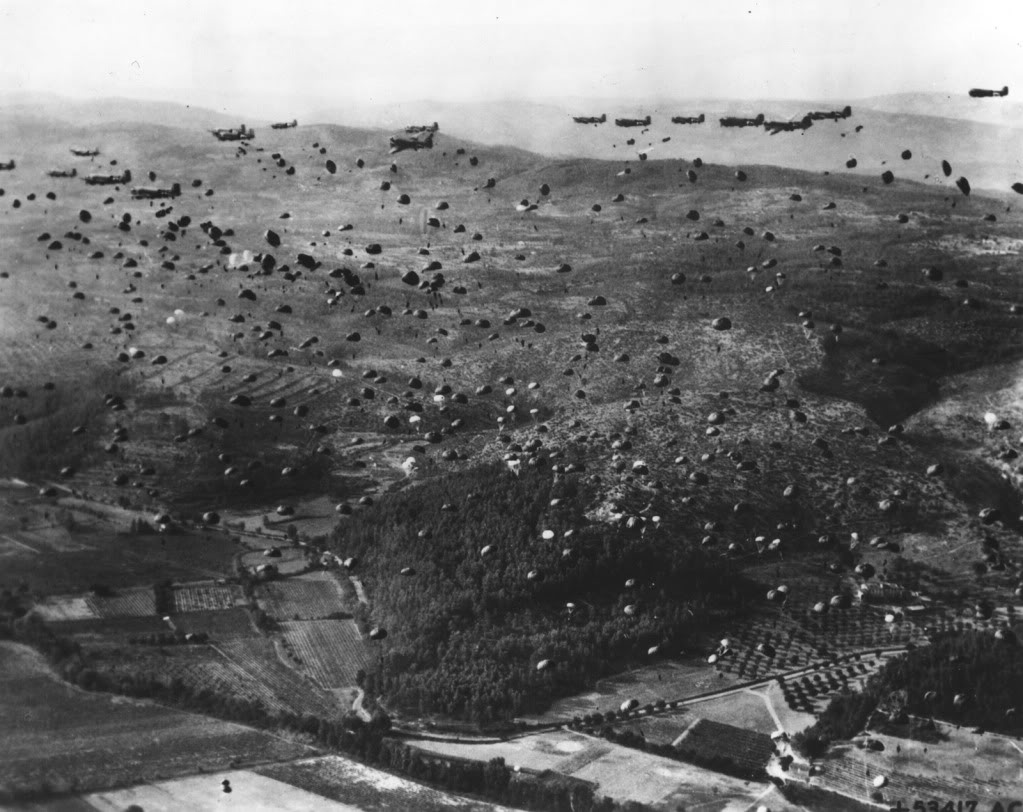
[{"x": 1005, "y": 90}]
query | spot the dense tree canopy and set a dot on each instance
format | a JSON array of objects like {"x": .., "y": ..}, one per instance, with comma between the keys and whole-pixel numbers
[{"x": 467, "y": 629}]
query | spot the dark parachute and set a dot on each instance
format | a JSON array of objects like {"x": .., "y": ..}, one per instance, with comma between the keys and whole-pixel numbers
[
  {"x": 331, "y": 167},
  {"x": 946, "y": 167},
  {"x": 273, "y": 238},
  {"x": 887, "y": 176},
  {"x": 964, "y": 186}
]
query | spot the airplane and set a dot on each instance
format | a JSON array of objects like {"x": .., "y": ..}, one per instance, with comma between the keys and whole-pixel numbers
[
  {"x": 688, "y": 119},
  {"x": 283, "y": 125},
  {"x": 414, "y": 143},
  {"x": 833, "y": 115},
  {"x": 228, "y": 134},
  {"x": 412, "y": 129},
  {"x": 590, "y": 119},
  {"x": 981, "y": 93},
  {"x": 775, "y": 127},
  {"x": 737, "y": 121},
  {"x": 62, "y": 173},
  {"x": 7, "y": 166},
  {"x": 82, "y": 152},
  {"x": 153, "y": 193},
  {"x": 632, "y": 122},
  {"x": 108, "y": 180}
]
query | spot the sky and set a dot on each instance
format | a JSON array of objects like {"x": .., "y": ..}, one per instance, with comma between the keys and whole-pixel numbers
[{"x": 229, "y": 54}]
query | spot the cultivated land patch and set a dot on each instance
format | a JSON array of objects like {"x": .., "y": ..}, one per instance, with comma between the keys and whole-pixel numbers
[
  {"x": 369, "y": 790},
  {"x": 126, "y": 603},
  {"x": 65, "y": 607},
  {"x": 220, "y": 625},
  {"x": 258, "y": 658},
  {"x": 747, "y": 748},
  {"x": 58, "y": 735},
  {"x": 332, "y": 650},
  {"x": 250, "y": 791},
  {"x": 311, "y": 596},
  {"x": 206, "y": 597}
]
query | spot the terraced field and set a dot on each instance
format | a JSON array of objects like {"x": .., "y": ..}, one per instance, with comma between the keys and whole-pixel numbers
[{"x": 332, "y": 650}]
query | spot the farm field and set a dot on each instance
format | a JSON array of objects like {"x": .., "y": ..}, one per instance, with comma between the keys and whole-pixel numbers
[
  {"x": 206, "y": 597},
  {"x": 258, "y": 658},
  {"x": 138, "y": 602},
  {"x": 310, "y": 596},
  {"x": 367, "y": 789},
  {"x": 250, "y": 791},
  {"x": 70, "y": 739},
  {"x": 745, "y": 709},
  {"x": 332, "y": 650},
  {"x": 747, "y": 748},
  {"x": 220, "y": 625}
]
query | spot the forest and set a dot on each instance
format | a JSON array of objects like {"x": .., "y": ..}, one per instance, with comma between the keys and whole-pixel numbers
[{"x": 486, "y": 618}]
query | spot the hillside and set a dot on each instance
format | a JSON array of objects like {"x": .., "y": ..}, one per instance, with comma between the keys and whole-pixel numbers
[{"x": 315, "y": 325}]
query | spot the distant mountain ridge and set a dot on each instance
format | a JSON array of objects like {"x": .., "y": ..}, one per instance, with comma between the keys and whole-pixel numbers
[{"x": 933, "y": 127}]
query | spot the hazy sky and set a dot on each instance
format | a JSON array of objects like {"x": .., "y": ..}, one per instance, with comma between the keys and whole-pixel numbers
[{"x": 306, "y": 52}]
